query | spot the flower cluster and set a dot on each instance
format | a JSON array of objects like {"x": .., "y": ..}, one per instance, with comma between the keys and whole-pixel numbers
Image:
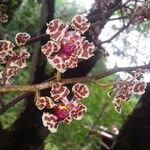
[
  {"x": 124, "y": 89},
  {"x": 64, "y": 110},
  {"x": 3, "y": 16},
  {"x": 141, "y": 14},
  {"x": 14, "y": 60},
  {"x": 66, "y": 47}
]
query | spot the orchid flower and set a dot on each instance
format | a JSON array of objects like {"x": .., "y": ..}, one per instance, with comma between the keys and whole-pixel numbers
[
  {"x": 64, "y": 110},
  {"x": 14, "y": 60},
  {"x": 125, "y": 89},
  {"x": 66, "y": 47}
]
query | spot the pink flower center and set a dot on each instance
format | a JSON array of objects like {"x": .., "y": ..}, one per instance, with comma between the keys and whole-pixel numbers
[
  {"x": 68, "y": 44},
  {"x": 61, "y": 112},
  {"x": 66, "y": 50}
]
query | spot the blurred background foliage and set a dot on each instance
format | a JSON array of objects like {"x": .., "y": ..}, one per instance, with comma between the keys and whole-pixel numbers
[{"x": 24, "y": 16}]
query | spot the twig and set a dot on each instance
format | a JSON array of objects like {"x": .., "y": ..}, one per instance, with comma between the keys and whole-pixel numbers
[
  {"x": 1, "y": 102},
  {"x": 35, "y": 39},
  {"x": 117, "y": 33},
  {"x": 98, "y": 117},
  {"x": 122, "y": 15},
  {"x": 100, "y": 134},
  {"x": 13, "y": 102},
  {"x": 119, "y": 18}
]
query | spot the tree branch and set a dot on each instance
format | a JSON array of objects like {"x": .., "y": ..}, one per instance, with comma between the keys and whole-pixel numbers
[
  {"x": 117, "y": 33},
  {"x": 48, "y": 84},
  {"x": 13, "y": 102}
]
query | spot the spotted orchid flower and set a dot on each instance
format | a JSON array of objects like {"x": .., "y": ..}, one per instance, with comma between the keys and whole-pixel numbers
[
  {"x": 14, "y": 60},
  {"x": 66, "y": 47},
  {"x": 141, "y": 14},
  {"x": 63, "y": 109},
  {"x": 3, "y": 15},
  {"x": 125, "y": 89}
]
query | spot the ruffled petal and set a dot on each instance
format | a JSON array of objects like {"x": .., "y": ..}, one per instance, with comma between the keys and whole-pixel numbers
[
  {"x": 78, "y": 112},
  {"x": 71, "y": 62},
  {"x": 19, "y": 59},
  {"x": 56, "y": 28},
  {"x": 68, "y": 119},
  {"x": 139, "y": 87},
  {"x": 80, "y": 91},
  {"x": 6, "y": 49},
  {"x": 80, "y": 23},
  {"x": 3, "y": 59},
  {"x": 59, "y": 92},
  {"x": 138, "y": 73},
  {"x": 85, "y": 50},
  {"x": 124, "y": 90},
  {"x": 50, "y": 121},
  {"x": 45, "y": 102},
  {"x": 21, "y": 38},
  {"x": 57, "y": 62},
  {"x": 118, "y": 100},
  {"x": 117, "y": 107},
  {"x": 49, "y": 48},
  {"x": 6, "y": 75}
]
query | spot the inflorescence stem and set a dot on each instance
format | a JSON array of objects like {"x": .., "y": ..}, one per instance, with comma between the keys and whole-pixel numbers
[{"x": 48, "y": 84}]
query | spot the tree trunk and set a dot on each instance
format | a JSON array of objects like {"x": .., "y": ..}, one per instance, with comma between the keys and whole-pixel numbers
[{"x": 28, "y": 133}]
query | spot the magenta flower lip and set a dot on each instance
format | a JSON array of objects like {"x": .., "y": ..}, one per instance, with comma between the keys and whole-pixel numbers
[
  {"x": 62, "y": 112},
  {"x": 66, "y": 50}
]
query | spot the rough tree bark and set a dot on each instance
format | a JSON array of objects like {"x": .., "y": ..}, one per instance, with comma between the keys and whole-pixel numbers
[{"x": 27, "y": 132}]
